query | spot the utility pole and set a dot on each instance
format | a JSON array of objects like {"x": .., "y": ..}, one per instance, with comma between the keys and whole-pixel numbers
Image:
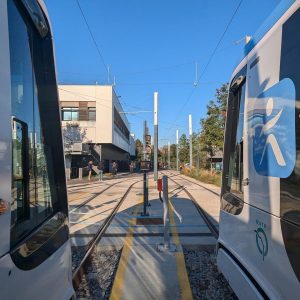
[
  {"x": 177, "y": 149},
  {"x": 155, "y": 134},
  {"x": 191, "y": 141},
  {"x": 169, "y": 154}
]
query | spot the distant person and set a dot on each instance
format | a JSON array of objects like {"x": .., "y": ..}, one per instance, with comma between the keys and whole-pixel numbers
[
  {"x": 180, "y": 168},
  {"x": 100, "y": 168},
  {"x": 131, "y": 168},
  {"x": 90, "y": 168},
  {"x": 114, "y": 168}
]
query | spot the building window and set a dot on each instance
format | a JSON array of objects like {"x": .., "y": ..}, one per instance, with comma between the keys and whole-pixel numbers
[
  {"x": 92, "y": 113},
  {"x": 70, "y": 114},
  {"x": 120, "y": 124}
]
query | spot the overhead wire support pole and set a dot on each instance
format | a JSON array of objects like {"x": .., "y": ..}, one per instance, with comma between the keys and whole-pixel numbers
[
  {"x": 191, "y": 141},
  {"x": 155, "y": 135}
]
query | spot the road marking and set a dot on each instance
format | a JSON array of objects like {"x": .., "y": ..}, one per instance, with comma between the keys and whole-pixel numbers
[
  {"x": 117, "y": 289},
  {"x": 183, "y": 278}
]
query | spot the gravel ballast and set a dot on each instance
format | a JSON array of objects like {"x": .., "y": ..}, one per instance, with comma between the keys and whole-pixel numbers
[
  {"x": 205, "y": 280},
  {"x": 98, "y": 281}
]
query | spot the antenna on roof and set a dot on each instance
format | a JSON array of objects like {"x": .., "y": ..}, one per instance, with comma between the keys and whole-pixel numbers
[
  {"x": 196, "y": 74},
  {"x": 247, "y": 39},
  {"x": 108, "y": 75}
]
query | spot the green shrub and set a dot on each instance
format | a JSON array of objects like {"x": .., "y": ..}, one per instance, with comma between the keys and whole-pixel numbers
[{"x": 205, "y": 176}]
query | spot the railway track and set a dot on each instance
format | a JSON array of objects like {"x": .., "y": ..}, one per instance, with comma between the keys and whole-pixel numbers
[
  {"x": 75, "y": 187},
  {"x": 196, "y": 183},
  {"x": 95, "y": 238},
  {"x": 214, "y": 230}
]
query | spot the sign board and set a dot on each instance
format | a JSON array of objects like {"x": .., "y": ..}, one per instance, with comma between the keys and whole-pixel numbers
[
  {"x": 148, "y": 139},
  {"x": 148, "y": 147},
  {"x": 145, "y": 165}
]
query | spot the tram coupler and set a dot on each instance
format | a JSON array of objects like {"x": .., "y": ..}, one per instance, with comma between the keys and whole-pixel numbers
[{"x": 167, "y": 245}]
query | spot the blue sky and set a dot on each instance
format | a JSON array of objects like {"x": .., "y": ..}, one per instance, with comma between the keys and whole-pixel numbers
[{"x": 153, "y": 46}]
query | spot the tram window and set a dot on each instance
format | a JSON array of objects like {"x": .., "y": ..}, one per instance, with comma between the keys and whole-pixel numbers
[
  {"x": 289, "y": 68},
  {"x": 19, "y": 184},
  {"x": 235, "y": 169},
  {"x": 33, "y": 201}
]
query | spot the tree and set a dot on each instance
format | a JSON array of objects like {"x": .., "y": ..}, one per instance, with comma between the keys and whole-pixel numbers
[
  {"x": 183, "y": 148},
  {"x": 139, "y": 150},
  {"x": 212, "y": 133},
  {"x": 73, "y": 133},
  {"x": 173, "y": 154}
]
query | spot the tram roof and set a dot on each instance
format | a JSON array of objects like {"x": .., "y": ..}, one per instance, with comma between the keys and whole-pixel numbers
[{"x": 277, "y": 13}]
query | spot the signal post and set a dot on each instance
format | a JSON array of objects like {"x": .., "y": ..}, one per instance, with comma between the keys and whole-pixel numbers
[{"x": 145, "y": 167}]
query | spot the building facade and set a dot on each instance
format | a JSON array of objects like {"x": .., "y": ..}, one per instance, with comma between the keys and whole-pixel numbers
[{"x": 94, "y": 128}]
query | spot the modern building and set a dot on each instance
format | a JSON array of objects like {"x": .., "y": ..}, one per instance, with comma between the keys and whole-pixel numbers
[{"x": 94, "y": 127}]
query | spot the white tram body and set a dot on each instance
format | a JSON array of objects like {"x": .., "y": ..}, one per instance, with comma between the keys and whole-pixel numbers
[
  {"x": 259, "y": 237},
  {"x": 35, "y": 252}
]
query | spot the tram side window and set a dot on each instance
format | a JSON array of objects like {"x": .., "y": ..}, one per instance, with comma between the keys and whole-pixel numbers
[
  {"x": 235, "y": 169},
  {"x": 19, "y": 184},
  {"x": 32, "y": 201}
]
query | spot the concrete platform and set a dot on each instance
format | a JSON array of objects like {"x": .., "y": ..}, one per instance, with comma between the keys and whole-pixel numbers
[{"x": 148, "y": 274}]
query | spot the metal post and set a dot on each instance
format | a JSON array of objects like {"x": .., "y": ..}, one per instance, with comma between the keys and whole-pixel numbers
[
  {"x": 145, "y": 195},
  {"x": 169, "y": 160},
  {"x": 166, "y": 246},
  {"x": 144, "y": 144},
  {"x": 177, "y": 149},
  {"x": 166, "y": 213},
  {"x": 145, "y": 174},
  {"x": 155, "y": 134},
  {"x": 191, "y": 141},
  {"x": 147, "y": 191}
]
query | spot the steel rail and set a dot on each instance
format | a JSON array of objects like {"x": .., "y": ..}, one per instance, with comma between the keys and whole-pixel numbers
[
  {"x": 204, "y": 187},
  {"x": 201, "y": 211},
  {"x": 80, "y": 270},
  {"x": 94, "y": 195},
  {"x": 95, "y": 182}
]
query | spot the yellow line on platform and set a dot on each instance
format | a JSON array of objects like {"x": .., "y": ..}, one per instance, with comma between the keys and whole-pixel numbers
[
  {"x": 184, "y": 283},
  {"x": 117, "y": 289}
]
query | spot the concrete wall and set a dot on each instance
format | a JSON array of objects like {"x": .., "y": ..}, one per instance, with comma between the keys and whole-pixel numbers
[{"x": 103, "y": 130}]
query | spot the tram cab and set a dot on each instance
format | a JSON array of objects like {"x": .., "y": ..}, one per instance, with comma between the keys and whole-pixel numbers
[
  {"x": 259, "y": 236},
  {"x": 35, "y": 252}
]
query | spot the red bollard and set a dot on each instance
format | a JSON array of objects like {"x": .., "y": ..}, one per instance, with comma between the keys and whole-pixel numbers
[{"x": 159, "y": 184}]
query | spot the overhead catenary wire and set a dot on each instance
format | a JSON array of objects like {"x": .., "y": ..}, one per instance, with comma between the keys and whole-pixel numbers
[
  {"x": 211, "y": 56},
  {"x": 220, "y": 40},
  {"x": 93, "y": 98},
  {"x": 93, "y": 39}
]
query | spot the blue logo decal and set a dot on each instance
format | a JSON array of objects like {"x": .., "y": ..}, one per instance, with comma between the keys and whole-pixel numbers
[
  {"x": 261, "y": 242},
  {"x": 272, "y": 127}
]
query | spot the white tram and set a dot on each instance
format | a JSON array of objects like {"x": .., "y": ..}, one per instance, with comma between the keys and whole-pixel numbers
[
  {"x": 259, "y": 243},
  {"x": 35, "y": 253}
]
